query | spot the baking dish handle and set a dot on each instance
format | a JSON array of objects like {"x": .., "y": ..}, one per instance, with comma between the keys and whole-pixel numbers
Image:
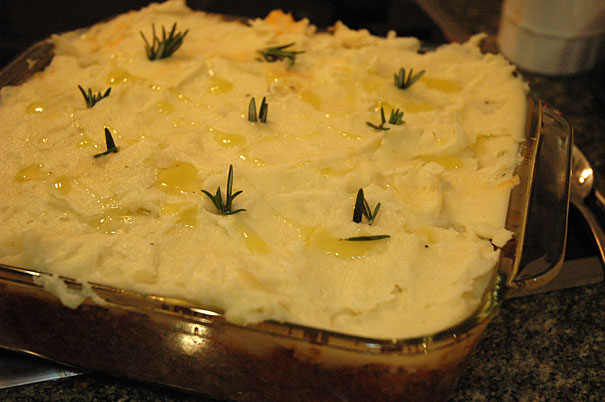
[{"x": 539, "y": 209}]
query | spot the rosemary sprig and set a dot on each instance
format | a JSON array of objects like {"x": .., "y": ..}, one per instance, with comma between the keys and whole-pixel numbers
[
  {"x": 383, "y": 121},
  {"x": 396, "y": 118},
  {"x": 366, "y": 238},
  {"x": 362, "y": 208},
  {"x": 278, "y": 53},
  {"x": 91, "y": 98},
  {"x": 225, "y": 208},
  {"x": 403, "y": 82},
  {"x": 111, "y": 146},
  {"x": 166, "y": 46},
  {"x": 262, "y": 113}
]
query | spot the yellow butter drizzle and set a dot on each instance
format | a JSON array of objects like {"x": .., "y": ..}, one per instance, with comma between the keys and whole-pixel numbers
[
  {"x": 120, "y": 76},
  {"x": 62, "y": 184},
  {"x": 409, "y": 106},
  {"x": 110, "y": 221},
  {"x": 35, "y": 107},
  {"x": 30, "y": 172},
  {"x": 115, "y": 218},
  {"x": 219, "y": 86},
  {"x": 180, "y": 122},
  {"x": 186, "y": 213},
  {"x": 188, "y": 217},
  {"x": 178, "y": 178},
  {"x": 257, "y": 161},
  {"x": 252, "y": 240},
  {"x": 441, "y": 84},
  {"x": 228, "y": 140},
  {"x": 311, "y": 98},
  {"x": 449, "y": 162},
  {"x": 332, "y": 172},
  {"x": 164, "y": 106},
  {"x": 177, "y": 93},
  {"x": 404, "y": 104}
]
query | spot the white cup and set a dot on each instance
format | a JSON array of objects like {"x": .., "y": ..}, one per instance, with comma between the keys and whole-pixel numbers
[{"x": 554, "y": 37}]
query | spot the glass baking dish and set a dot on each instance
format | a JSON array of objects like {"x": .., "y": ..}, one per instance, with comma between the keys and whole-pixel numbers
[{"x": 172, "y": 342}]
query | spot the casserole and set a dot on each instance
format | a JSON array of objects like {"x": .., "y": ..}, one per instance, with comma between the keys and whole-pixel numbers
[{"x": 173, "y": 342}]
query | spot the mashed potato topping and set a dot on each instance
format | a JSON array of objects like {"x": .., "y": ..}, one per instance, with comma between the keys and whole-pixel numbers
[{"x": 138, "y": 219}]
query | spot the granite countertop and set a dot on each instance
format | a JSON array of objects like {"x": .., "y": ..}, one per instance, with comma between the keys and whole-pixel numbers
[{"x": 547, "y": 347}]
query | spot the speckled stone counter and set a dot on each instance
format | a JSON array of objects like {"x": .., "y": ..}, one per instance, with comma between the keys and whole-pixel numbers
[{"x": 548, "y": 347}]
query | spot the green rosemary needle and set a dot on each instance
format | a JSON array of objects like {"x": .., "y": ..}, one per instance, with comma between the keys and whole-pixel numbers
[
  {"x": 366, "y": 238},
  {"x": 91, "y": 98},
  {"x": 403, "y": 82},
  {"x": 111, "y": 146},
  {"x": 362, "y": 208},
  {"x": 383, "y": 121},
  {"x": 252, "y": 110},
  {"x": 166, "y": 46},
  {"x": 264, "y": 110},
  {"x": 278, "y": 53},
  {"x": 395, "y": 118},
  {"x": 225, "y": 208},
  {"x": 262, "y": 113}
]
